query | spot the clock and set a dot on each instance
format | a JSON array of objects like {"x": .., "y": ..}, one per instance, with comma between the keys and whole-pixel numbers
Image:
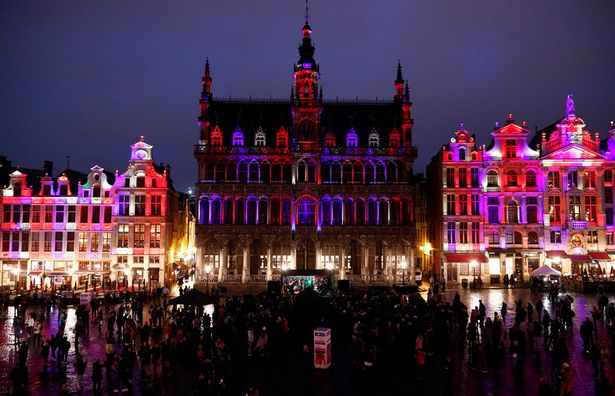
[{"x": 141, "y": 154}]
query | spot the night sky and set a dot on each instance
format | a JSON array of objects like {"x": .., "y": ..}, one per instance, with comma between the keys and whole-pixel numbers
[{"x": 86, "y": 78}]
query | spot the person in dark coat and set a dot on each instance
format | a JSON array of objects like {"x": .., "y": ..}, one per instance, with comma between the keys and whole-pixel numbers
[{"x": 96, "y": 375}]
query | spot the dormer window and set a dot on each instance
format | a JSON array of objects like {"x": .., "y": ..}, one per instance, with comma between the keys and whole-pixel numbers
[
  {"x": 281, "y": 138},
  {"x": 216, "y": 137},
  {"x": 352, "y": 139},
  {"x": 140, "y": 182},
  {"x": 64, "y": 190},
  {"x": 394, "y": 139},
  {"x": 510, "y": 148},
  {"x": 330, "y": 139},
  {"x": 47, "y": 190},
  {"x": 96, "y": 191},
  {"x": 259, "y": 138},
  {"x": 462, "y": 154},
  {"x": 374, "y": 138},
  {"x": 237, "y": 138}
]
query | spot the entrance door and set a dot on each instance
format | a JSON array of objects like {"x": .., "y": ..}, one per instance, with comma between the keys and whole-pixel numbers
[{"x": 451, "y": 272}]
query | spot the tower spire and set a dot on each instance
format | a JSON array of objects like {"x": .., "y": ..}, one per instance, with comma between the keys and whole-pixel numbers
[
  {"x": 307, "y": 13},
  {"x": 399, "y": 84},
  {"x": 399, "y": 78}
]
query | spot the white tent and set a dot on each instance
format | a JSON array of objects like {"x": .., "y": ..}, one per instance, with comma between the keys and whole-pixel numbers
[{"x": 545, "y": 270}]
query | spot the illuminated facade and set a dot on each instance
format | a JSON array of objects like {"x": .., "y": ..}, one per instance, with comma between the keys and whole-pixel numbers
[
  {"x": 89, "y": 232},
  {"x": 509, "y": 208},
  {"x": 305, "y": 183}
]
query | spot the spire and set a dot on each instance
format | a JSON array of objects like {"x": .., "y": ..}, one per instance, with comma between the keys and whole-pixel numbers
[
  {"x": 206, "y": 94},
  {"x": 399, "y": 79},
  {"x": 307, "y": 13},
  {"x": 570, "y": 107},
  {"x": 406, "y": 93}
]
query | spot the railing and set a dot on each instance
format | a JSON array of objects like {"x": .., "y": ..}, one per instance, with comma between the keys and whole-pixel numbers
[
  {"x": 578, "y": 224},
  {"x": 231, "y": 278},
  {"x": 257, "y": 278}
]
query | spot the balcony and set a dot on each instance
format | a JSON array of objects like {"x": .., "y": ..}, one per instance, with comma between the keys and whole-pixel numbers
[{"x": 578, "y": 224}]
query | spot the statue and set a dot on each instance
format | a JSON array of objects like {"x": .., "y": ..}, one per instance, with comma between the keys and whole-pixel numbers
[{"x": 570, "y": 108}]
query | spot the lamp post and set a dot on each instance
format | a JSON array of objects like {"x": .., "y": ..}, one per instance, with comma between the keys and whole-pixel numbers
[
  {"x": 404, "y": 265},
  {"x": 207, "y": 272},
  {"x": 474, "y": 264}
]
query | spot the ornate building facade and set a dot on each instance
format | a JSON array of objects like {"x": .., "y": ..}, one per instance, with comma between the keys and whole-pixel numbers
[
  {"x": 305, "y": 183},
  {"x": 508, "y": 208}
]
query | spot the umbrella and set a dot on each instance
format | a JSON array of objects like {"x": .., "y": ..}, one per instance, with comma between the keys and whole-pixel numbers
[{"x": 192, "y": 297}]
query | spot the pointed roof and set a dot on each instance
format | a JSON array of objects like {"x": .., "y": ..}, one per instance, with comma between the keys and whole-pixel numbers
[
  {"x": 400, "y": 78},
  {"x": 141, "y": 144}
]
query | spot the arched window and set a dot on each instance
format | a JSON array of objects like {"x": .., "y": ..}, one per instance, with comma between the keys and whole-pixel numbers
[
  {"x": 383, "y": 213},
  {"x": 325, "y": 170},
  {"x": 264, "y": 167},
  {"x": 276, "y": 172},
  {"x": 349, "y": 211},
  {"x": 449, "y": 156},
  {"x": 286, "y": 211},
  {"x": 326, "y": 211},
  {"x": 237, "y": 138},
  {"x": 511, "y": 179},
  {"x": 311, "y": 169},
  {"x": 204, "y": 210},
  {"x": 275, "y": 211},
  {"x": 330, "y": 139},
  {"x": 518, "y": 238},
  {"x": 352, "y": 139},
  {"x": 240, "y": 210},
  {"x": 301, "y": 170},
  {"x": 532, "y": 238},
  {"x": 407, "y": 212},
  {"x": 259, "y": 138},
  {"x": 372, "y": 212},
  {"x": 374, "y": 138},
  {"x": 281, "y": 138},
  {"x": 306, "y": 131},
  {"x": 462, "y": 154},
  {"x": 513, "y": 212},
  {"x": 252, "y": 205},
  {"x": 337, "y": 212},
  {"x": 360, "y": 212},
  {"x": 215, "y": 211},
  {"x": 242, "y": 172},
  {"x": 306, "y": 210},
  {"x": 231, "y": 171},
  {"x": 492, "y": 179},
  {"x": 335, "y": 172},
  {"x": 380, "y": 172},
  {"x": 262, "y": 211},
  {"x": 358, "y": 173},
  {"x": 228, "y": 211},
  {"x": 216, "y": 137},
  {"x": 530, "y": 179},
  {"x": 394, "y": 217},
  {"x": 369, "y": 172},
  {"x": 253, "y": 172},
  {"x": 287, "y": 172},
  {"x": 391, "y": 172},
  {"x": 347, "y": 172}
]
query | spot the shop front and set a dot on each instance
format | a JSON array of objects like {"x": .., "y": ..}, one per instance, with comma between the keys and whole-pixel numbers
[{"x": 465, "y": 267}]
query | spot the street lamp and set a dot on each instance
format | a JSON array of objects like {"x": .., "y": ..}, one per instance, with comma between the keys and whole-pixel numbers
[
  {"x": 404, "y": 265},
  {"x": 474, "y": 264},
  {"x": 207, "y": 272}
]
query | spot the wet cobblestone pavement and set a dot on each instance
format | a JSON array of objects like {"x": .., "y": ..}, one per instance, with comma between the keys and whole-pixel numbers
[{"x": 293, "y": 374}]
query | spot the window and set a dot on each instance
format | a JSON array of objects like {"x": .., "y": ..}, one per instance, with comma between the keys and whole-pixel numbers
[
  {"x": 15, "y": 242},
  {"x": 123, "y": 235},
  {"x": 83, "y": 241},
  {"x": 107, "y": 215},
  {"x": 463, "y": 204},
  {"x": 510, "y": 148},
  {"x": 590, "y": 209},
  {"x": 59, "y": 241},
  {"x": 372, "y": 212},
  {"x": 141, "y": 181},
  {"x": 556, "y": 236},
  {"x": 106, "y": 242},
  {"x": 493, "y": 210},
  {"x": 592, "y": 236},
  {"x": 374, "y": 138},
  {"x": 348, "y": 211},
  {"x": 7, "y": 214},
  {"x": 475, "y": 204},
  {"x": 282, "y": 138},
  {"x": 474, "y": 177},
  {"x": 352, "y": 140},
  {"x": 335, "y": 172},
  {"x": 450, "y": 177},
  {"x": 463, "y": 177},
  {"x": 450, "y": 205},
  {"x": 47, "y": 244},
  {"x": 70, "y": 241},
  {"x": 573, "y": 180},
  {"x": 609, "y": 216},
  {"x": 610, "y": 238},
  {"x": 237, "y": 138},
  {"x": 358, "y": 172},
  {"x": 475, "y": 232},
  {"x": 48, "y": 214},
  {"x": 124, "y": 205},
  {"x": 462, "y": 154},
  {"x": 156, "y": 205},
  {"x": 240, "y": 210},
  {"x": 510, "y": 237},
  {"x": 574, "y": 208},
  {"x": 532, "y": 214},
  {"x": 330, "y": 139},
  {"x": 450, "y": 232},
  {"x": 139, "y": 205},
  {"x": 608, "y": 176},
  {"x": 463, "y": 233},
  {"x": 513, "y": 212},
  {"x": 530, "y": 179},
  {"x": 36, "y": 214},
  {"x": 259, "y": 138},
  {"x": 154, "y": 236},
  {"x": 251, "y": 211},
  {"x": 494, "y": 238},
  {"x": 262, "y": 211},
  {"x": 286, "y": 212},
  {"x": 72, "y": 213},
  {"x": 25, "y": 215},
  {"x": 347, "y": 172},
  {"x": 608, "y": 195},
  {"x": 337, "y": 212},
  {"x": 492, "y": 179},
  {"x": 553, "y": 179},
  {"x": 95, "y": 214},
  {"x": 6, "y": 240},
  {"x": 360, "y": 212},
  {"x": 94, "y": 241},
  {"x": 326, "y": 212},
  {"x": 139, "y": 235},
  {"x": 532, "y": 238},
  {"x": 555, "y": 216},
  {"x": 275, "y": 211},
  {"x": 511, "y": 179},
  {"x": 35, "y": 241},
  {"x": 307, "y": 212},
  {"x": 216, "y": 137}
]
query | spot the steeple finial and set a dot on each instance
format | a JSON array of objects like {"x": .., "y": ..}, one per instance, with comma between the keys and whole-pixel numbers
[
  {"x": 570, "y": 107},
  {"x": 207, "y": 68},
  {"x": 307, "y": 13},
  {"x": 399, "y": 78},
  {"x": 407, "y": 93}
]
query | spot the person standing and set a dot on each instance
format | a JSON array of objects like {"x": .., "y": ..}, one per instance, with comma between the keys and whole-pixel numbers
[
  {"x": 96, "y": 375},
  {"x": 566, "y": 376}
]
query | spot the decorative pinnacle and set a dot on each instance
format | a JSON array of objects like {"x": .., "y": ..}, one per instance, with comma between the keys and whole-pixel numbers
[
  {"x": 399, "y": 79},
  {"x": 570, "y": 107},
  {"x": 461, "y": 126},
  {"x": 307, "y": 14},
  {"x": 141, "y": 137},
  {"x": 407, "y": 93}
]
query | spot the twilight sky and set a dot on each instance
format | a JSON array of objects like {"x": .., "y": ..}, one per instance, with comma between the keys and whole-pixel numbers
[{"x": 86, "y": 78}]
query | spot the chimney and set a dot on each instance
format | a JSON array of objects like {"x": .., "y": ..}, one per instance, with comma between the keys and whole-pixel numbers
[{"x": 48, "y": 168}]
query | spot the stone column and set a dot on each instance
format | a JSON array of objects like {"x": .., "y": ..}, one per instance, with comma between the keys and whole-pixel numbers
[
  {"x": 412, "y": 266},
  {"x": 244, "y": 269},
  {"x": 365, "y": 266},
  {"x": 388, "y": 271},
  {"x": 343, "y": 263},
  {"x": 223, "y": 263},
  {"x": 269, "y": 263},
  {"x": 318, "y": 263}
]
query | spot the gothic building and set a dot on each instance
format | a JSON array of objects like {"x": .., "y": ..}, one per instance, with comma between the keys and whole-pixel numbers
[
  {"x": 517, "y": 204},
  {"x": 305, "y": 183}
]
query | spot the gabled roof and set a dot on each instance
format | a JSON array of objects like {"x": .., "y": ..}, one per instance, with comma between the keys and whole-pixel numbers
[{"x": 573, "y": 151}]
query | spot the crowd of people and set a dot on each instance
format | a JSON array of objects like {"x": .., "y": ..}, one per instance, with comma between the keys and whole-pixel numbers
[{"x": 221, "y": 350}]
